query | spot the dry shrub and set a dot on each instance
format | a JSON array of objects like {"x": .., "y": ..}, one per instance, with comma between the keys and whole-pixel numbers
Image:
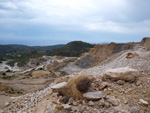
[
  {"x": 73, "y": 87},
  {"x": 84, "y": 85}
]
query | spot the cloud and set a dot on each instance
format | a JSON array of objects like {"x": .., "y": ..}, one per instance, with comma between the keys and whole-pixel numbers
[{"x": 48, "y": 18}]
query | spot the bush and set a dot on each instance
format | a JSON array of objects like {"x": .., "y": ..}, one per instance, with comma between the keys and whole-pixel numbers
[
  {"x": 4, "y": 74},
  {"x": 73, "y": 87}
]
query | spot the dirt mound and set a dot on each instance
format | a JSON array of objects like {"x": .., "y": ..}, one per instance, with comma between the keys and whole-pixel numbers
[
  {"x": 101, "y": 52},
  {"x": 41, "y": 73},
  {"x": 4, "y": 87}
]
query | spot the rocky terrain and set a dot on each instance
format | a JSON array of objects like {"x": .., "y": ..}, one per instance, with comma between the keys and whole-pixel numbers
[{"x": 112, "y": 83}]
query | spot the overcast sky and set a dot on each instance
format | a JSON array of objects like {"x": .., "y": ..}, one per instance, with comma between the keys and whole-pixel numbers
[{"x": 49, "y": 22}]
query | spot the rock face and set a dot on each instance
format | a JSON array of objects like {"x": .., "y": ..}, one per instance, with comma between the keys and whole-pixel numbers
[
  {"x": 94, "y": 95},
  {"x": 125, "y": 73},
  {"x": 146, "y": 43},
  {"x": 101, "y": 52}
]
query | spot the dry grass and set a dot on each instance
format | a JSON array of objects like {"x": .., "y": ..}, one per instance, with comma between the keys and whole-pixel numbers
[{"x": 71, "y": 88}]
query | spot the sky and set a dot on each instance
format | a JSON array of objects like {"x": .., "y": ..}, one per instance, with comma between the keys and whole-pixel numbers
[{"x": 50, "y": 22}]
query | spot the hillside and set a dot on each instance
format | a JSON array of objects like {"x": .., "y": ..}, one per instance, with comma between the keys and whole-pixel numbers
[
  {"x": 101, "y": 52},
  {"x": 75, "y": 48},
  {"x": 45, "y": 48},
  {"x": 15, "y": 51},
  {"x": 22, "y": 53}
]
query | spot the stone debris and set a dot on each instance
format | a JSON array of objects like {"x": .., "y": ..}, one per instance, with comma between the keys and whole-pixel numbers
[
  {"x": 144, "y": 102},
  {"x": 91, "y": 103},
  {"x": 7, "y": 104},
  {"x": 59, "y": 85},
  {"x": 112, "y": 100},
  {"x": 66, "y": 106},
  {"x": 94, "y": 95},
  {"x": 1, "y": 111},
  {"x": 103, "y": 85},
  {"x": 120, "y": 82}
]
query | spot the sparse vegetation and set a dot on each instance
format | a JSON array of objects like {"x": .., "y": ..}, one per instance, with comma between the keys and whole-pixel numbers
[
  {"x": 74, "y": 84},
  {"x": 8, "y": 77}
]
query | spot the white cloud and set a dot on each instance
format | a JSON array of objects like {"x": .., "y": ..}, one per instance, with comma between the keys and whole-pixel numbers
[{"x": 117, "y": 16}]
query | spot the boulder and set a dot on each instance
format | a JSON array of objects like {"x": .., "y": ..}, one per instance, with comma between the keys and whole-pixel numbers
[
  {"x": 94, "y": 95},
  {"x": 124, "y": 73},
  {"x": 59, "y": 85}
]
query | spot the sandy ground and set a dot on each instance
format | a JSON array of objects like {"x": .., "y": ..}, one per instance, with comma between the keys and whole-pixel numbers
[
  {"x": 27, "y": 85},
  {"x": 3, "y": 100}
]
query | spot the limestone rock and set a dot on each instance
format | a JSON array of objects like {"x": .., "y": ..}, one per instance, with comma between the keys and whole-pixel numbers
[
  {"x": 101, "y": 102},
  {"x": 91, "y": 103},
  {"x": 124, "y": 73},
  {"x": 71, "y": 100},
  {"x": 75, "y": 103},
  {"x": 94, "y": 95},
  {"x": 75, "y": 109},
  {"x": 1, "y": 111},
  {"x": 103, "y": 85},
  {"x": 7, "y": 104},
  {"x": 66, "y": 106},
  {"x": 135, "y": 109},
  {"x": 59, "y": 85},
  {"x": 120, "y": 82},
  {"x": 112, "y": 100},
  {"x": 144, "y": 102}
]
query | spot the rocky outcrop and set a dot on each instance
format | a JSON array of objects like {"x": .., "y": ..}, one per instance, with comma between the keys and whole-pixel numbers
[
  {"x": 101, "y": 52},
  {"x": 146, "y": 43}
]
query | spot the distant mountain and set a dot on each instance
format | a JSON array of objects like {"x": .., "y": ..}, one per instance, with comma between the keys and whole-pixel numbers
[
  {"x": 101, "y": 43},
  {"x": 45, "y": 48},
  {"x": 15, "y": 48},
  {"x": 75, "y": 48}
]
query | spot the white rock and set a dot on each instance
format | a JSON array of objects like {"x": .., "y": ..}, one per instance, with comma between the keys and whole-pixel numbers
[
  {"x": 125, "y": 73},
  {"x": 103, "y": 85},
  {"x": 6, "y": 104},
  {"x": 91, "y": 103},
  {"x": 144, "y": 102},
  {"x": 94, "y": 95},
  {"x": 112, "y": 100},
  {"x": 1, "y": 111},
  {"x": 59, "y": 85},
  {"x": 75, "y": 109},
  {"x": 66, "y": 106},
  {"x": 101, "y": 102}
]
